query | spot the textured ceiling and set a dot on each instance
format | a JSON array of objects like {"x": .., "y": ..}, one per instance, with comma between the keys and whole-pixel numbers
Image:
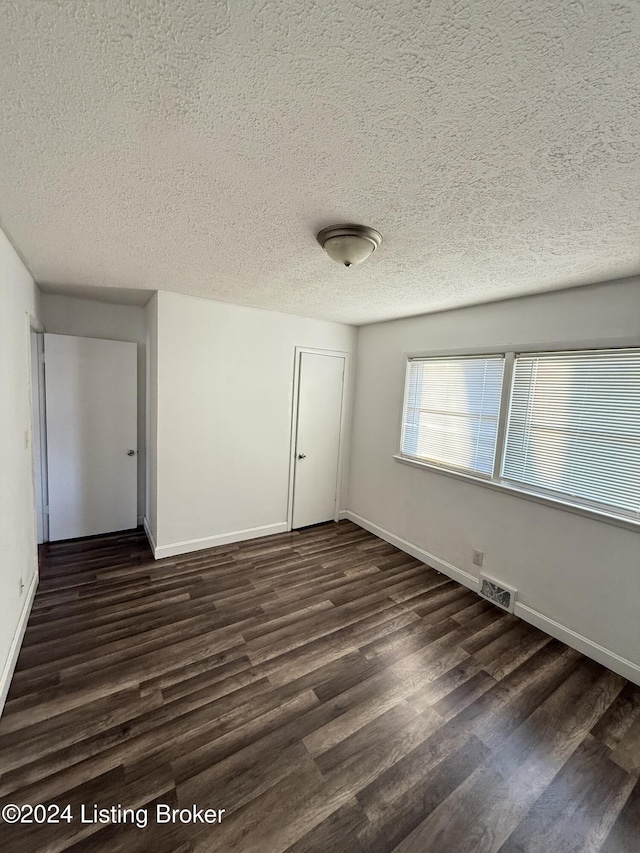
[{"x": 197, "y": 146}]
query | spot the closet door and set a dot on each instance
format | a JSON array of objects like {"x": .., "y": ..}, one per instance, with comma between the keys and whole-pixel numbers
[{"x": 318, "y": 438}]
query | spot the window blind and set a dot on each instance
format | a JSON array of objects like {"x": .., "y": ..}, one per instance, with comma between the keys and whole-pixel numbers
[
  {"x": 451, "y": 411},
  {"x": 574, "y": 427}
]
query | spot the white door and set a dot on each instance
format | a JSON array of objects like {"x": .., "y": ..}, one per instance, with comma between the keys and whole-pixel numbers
[
  {"x": 317, "y": 445},
  {"x": 91, "y": 392}
]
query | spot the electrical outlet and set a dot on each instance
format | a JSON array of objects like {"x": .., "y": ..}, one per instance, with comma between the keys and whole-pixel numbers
[{"x": 478, "y": 557}]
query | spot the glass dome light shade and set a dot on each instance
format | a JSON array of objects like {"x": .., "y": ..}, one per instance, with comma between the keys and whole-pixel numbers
[{"x": 350, "y": 250}]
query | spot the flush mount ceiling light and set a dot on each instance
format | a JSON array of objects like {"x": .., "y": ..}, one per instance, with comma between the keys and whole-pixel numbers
[{"x": 349, "y": 244}]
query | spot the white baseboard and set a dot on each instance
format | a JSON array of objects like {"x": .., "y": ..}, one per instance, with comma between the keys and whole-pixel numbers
[
  {"x": 588, "y": 647},
  {"x": 176, "y": 548},
  {"x": 592, "y": 650},
  {"x": 140, "y": 520},
  {"x": 14, "y": 651},
  {"x": 344, "y": 513},
  {"x": 451, "y": 571}
]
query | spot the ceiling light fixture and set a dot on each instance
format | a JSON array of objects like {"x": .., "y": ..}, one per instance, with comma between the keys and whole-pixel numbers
[{"x": 349, "y": 244}]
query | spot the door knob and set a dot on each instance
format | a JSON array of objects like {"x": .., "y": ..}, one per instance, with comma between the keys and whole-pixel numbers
[
  {"x": 131, "y": 453},
  {"x": 302, "y": 455}
]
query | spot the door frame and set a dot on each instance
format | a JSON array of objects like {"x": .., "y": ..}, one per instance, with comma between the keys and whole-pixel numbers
[
  {"x": 40, "y": 496},
  {"x": 294, "y": 425}
]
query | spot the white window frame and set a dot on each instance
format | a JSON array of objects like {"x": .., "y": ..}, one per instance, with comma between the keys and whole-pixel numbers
[
  {"x": 447, "y": 466},
  {"x": 495, "y": 481}
]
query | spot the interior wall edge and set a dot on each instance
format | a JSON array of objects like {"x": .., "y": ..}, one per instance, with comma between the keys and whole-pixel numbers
[
  {"x": 150, "y": 537},
  {"x": 16, "y": 645},
  {"x": 618, "y": 664}
]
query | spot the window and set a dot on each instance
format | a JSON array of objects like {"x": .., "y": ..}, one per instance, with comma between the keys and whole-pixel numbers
[
  {"x": 574, "y": 427},
  {"x": 569, "y": 430},
  {"x": 451, "y": 411}
]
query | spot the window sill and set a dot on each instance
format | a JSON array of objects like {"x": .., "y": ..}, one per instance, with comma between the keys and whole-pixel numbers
[{"x": 508, "y": 488}]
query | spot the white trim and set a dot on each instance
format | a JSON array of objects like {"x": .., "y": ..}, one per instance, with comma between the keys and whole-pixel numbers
[
  {"x": 292, "y": 437},
  {"x": 625, "y": 342},
  {"x": 344, "y": 513},
  {"x": 591, "y": 649},
  {"x": 294, "y": 427},
  {"x": 503, "y": 414},
  {"x": 536, "y": 497},
  {"x": 613, "y": 661},
  {"x": 140, "y": 520},
  {"x": 405, "y": 395},
  {"x": 150, "y": 536},
  {"x": 16, "y": 643},
  {"x": 448, "y": 569},
  {"x": 342, "y": 436},
  {"x": 176, "y": 548},
  {"x": 42, "y": 499}
]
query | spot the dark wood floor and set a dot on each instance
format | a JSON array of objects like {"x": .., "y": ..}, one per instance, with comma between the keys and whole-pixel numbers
[{"x": 326, "y": 690}]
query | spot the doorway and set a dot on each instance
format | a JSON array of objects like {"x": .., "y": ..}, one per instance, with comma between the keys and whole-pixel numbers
[
  {"x": 91, "y": 400},
  {"x": 317, "y": 431}
]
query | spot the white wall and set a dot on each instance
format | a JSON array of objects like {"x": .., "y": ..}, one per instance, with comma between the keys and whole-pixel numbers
[
  {"x": 89, "y": 318},
  {"x": 225, "y": 386},
  {"x": 18, "y": 555},
  {"x": 582, "y": 573}
]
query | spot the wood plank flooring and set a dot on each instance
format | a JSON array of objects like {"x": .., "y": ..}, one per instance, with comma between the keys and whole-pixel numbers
[{"x": 327, "y": 691}]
